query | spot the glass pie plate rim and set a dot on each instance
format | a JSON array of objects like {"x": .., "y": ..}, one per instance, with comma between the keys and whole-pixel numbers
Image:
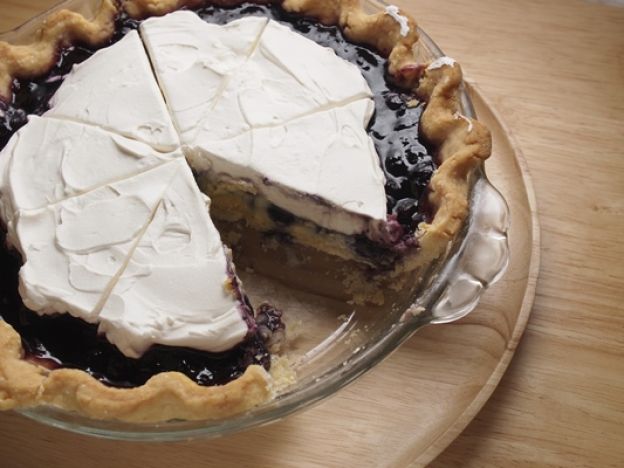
[{"x": 477, "y": 260}]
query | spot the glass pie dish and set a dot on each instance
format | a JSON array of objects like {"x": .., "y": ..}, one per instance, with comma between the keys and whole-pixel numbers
[{"x": 341, "y": 341}]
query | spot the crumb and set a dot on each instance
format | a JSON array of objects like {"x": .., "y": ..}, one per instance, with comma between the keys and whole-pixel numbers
[
  {"x": 355, "y": 335},
  {"x": 412, "y": 312},
  {"x": 283, "y": 373},
  {"x": 270, "y": 244}
]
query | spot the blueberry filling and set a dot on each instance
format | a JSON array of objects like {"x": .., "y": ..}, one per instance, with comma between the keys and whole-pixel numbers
[
  {"x": 280, "y": 216},
  {"x": 63, "y": 341}
]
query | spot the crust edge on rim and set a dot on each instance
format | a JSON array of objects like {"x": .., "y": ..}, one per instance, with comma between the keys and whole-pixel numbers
[
  {"x": 461, "y": 146},
  {"x": 169, "y": 395}
]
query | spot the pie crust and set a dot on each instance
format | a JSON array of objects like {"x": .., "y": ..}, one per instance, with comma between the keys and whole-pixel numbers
[{"x": 461, "y": 144}]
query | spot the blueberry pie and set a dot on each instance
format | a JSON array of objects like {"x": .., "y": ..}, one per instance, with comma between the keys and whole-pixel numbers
[{"x": 132, "y": 144}]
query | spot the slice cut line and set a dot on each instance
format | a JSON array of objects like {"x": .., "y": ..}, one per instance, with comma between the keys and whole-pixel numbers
[{"x": 117, "y": 92}]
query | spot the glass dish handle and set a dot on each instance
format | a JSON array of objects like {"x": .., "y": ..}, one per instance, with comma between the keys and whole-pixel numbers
[{"x": 480, "y": 261}]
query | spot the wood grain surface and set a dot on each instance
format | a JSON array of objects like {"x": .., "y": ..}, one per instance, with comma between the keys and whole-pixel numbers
[{"x": 554, "y": 69}]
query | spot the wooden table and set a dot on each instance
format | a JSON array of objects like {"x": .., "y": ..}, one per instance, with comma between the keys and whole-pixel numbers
[{"x": 555, "y": 71}]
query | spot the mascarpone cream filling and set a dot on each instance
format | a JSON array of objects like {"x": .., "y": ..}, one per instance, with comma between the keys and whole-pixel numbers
[
  {"x": 74, "y": 250},
  {"x": 194, "y": 61},
  {"x": 310, "y": 153}
]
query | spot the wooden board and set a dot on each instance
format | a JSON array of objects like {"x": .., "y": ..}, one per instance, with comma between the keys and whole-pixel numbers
[{"x": 554, "y": 70}]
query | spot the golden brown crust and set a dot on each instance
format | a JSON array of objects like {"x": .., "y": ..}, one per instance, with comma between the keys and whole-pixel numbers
[
  {"x": 378, "y": 30},
  {"x": 460, "y": 145},
  {"x": 145, "y": 8},
  {"x": 60, "y": 29},
  {"x": 165, "y": 396}
]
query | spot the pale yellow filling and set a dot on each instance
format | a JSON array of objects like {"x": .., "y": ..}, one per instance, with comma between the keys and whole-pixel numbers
[{"x": 326, "y": 261}]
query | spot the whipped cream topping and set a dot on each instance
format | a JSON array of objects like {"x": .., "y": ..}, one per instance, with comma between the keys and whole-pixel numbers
[
  {"x": 441, "y": 62},
  {"x": 115, "y": 89},
  {"x": 49, "y": 160},
  {"x": 311, "y": 154},
  {"x": 117, "y": 234},
  {"x": 194, "y": 60},
  {"x": 394, "y": 12},
  {"x": 175, "y": 290},
  {"x": 278, "y": 110},
  {"x": 74, "y": 250}
]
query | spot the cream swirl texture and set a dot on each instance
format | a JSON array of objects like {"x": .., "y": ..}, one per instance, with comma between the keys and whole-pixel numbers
[
  {"x": 115, "y": 233},
  {"x": 115, "y": 89}
]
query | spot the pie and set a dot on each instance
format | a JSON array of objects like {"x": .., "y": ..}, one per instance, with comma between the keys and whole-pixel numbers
[{"x": 135, "y": 142}]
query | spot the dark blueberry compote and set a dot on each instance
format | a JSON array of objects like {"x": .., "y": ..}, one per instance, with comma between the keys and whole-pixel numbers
[{"x": 64, "y": 341}]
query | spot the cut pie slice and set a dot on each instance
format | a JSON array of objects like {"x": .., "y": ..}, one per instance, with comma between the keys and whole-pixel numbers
[
  {"x": 277, "y": 128},
  {"x": 49, "y": 160},
  {"x": 179, "y": 288},
  {"x": 115, "y": 90},
  {"x": 299, "y": 167},
  {"x": 114, "y": 233},
  {"x": 74, "y": 251}
]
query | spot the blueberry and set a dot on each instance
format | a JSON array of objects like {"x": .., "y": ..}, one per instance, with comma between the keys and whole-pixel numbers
[
  {"x": 408, "y": 121},
  {"x": 417, "y": 218},
  {"x": 395, "y": 164},
  {"x": 416, "y": 154},
  {"x": 394, "y": 101},
  {"x": 204, "y": 377},
  {"x": 405, "y": 209},
  {"x": 398, "y": 187},
  {"x": 365, "y": 56},
  {"x": 421, "y": 169},
  {"x": 280, "y": 215},
  {"x": 376, "y": 135}
]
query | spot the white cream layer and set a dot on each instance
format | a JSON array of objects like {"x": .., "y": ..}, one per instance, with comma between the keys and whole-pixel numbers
[
  {"x": 130, "y": 245},
  {"x": 175, "y": 290},
  {"x": 277, "y": 110},
  {"x": 325, "y": 152},
  {"x": 194, "y": 61},
  {"x": 74, "y": 250},
  {"x": 49, "y": 160},
  {"x": 115, "y": 89}
]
